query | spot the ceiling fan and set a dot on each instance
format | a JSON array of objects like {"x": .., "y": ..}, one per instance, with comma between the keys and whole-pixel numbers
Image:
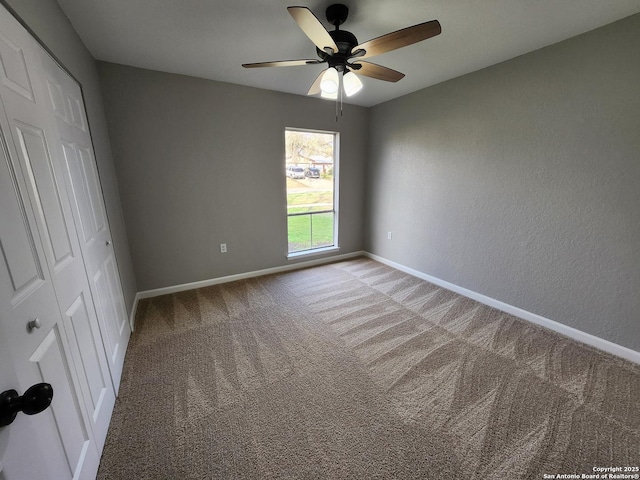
[{"x": 339, "y": 48}]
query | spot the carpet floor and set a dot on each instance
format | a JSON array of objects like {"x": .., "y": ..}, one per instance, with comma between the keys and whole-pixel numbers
[{"x": 358, "y": 370}]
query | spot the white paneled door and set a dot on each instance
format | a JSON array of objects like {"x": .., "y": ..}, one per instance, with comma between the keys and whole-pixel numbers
[
  {"x": 62, "y": 317},
  {"x": 83, "y": 185},
  {"x": 60, "y": 435}
]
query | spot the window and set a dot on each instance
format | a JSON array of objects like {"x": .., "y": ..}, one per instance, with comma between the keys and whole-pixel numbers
[{"x": 311, "y": 168}]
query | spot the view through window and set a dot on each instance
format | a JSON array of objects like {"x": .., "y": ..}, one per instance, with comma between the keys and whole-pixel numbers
[{"x": 311, "y": 170}]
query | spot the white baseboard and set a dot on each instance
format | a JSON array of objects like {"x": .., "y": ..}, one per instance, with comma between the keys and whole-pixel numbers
[
  {"x": 580, "y": 336},
  {"x": 232, "y": 278}
]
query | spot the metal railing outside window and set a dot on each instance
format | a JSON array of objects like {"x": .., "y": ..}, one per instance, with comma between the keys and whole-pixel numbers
[{"x": 315, "y": 230}]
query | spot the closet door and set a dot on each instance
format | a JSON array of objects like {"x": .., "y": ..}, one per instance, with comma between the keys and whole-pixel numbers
[
  {"x": 35, "y": 345},
  {"x": 48, "y": 322},
  {"x": 83, "y": 184}
]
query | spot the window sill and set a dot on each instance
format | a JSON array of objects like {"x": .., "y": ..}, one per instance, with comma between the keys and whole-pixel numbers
[{"x": 310, "y": 253}]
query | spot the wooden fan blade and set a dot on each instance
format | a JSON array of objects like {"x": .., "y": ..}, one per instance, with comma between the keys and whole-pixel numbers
[
  {"x": 315, "y": 87},
  {"x": 400, "y": 38},
  {"x": 282, "y": 63},
  {"x": 312, "y": 28},
  {"x": 378, "y": 72}
]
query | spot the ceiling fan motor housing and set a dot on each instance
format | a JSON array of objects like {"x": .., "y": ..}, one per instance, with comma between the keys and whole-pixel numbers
[{"x": 345, "y": 41}]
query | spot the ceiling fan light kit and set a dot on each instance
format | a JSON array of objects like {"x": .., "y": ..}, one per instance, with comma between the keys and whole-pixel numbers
[
  {"x": 329, "y": 96},
  {"x": 330, "y": 81},
  {"x": 352, "y": 84},
  {"x": 343, "y": 54}
]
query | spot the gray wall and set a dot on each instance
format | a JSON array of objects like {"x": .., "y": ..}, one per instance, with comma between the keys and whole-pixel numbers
[
  {"x": 201, "y": 163},
  {"x": 51, "y": 26},
  {"x": 522, "y": 182}
]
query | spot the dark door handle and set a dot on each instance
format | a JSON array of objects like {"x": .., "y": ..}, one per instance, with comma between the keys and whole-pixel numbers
[{"x": 36, "y": 399}]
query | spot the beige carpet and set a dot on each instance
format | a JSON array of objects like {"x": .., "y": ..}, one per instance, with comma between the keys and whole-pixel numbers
[{"x": 357, "y": 370}]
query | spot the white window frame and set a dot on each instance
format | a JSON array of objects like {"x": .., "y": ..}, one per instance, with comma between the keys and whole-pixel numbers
[{"x": 336, "y": 196}]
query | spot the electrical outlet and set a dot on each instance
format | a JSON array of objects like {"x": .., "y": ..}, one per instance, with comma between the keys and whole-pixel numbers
[
  {"x": 223, "y": 248},
  {"x": 389, "y": 236}
]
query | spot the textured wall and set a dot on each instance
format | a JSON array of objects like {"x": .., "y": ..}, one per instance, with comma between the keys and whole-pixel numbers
[
  {"x": 49, "y": 23},
  {"x": 522, "y": 182},
  {"x": 201, "y": 163}
]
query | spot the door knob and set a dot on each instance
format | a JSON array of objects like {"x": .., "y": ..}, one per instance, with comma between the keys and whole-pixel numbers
[
  {"x": 36, "y": 399},
  {"x": 34, "y": 324}
]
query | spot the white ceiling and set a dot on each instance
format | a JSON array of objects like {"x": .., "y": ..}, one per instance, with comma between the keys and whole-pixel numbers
[{"x": 212, "y": 38}]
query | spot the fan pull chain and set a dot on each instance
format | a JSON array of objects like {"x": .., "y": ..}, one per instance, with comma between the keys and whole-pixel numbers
[{"x": 340, "y": 89}]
